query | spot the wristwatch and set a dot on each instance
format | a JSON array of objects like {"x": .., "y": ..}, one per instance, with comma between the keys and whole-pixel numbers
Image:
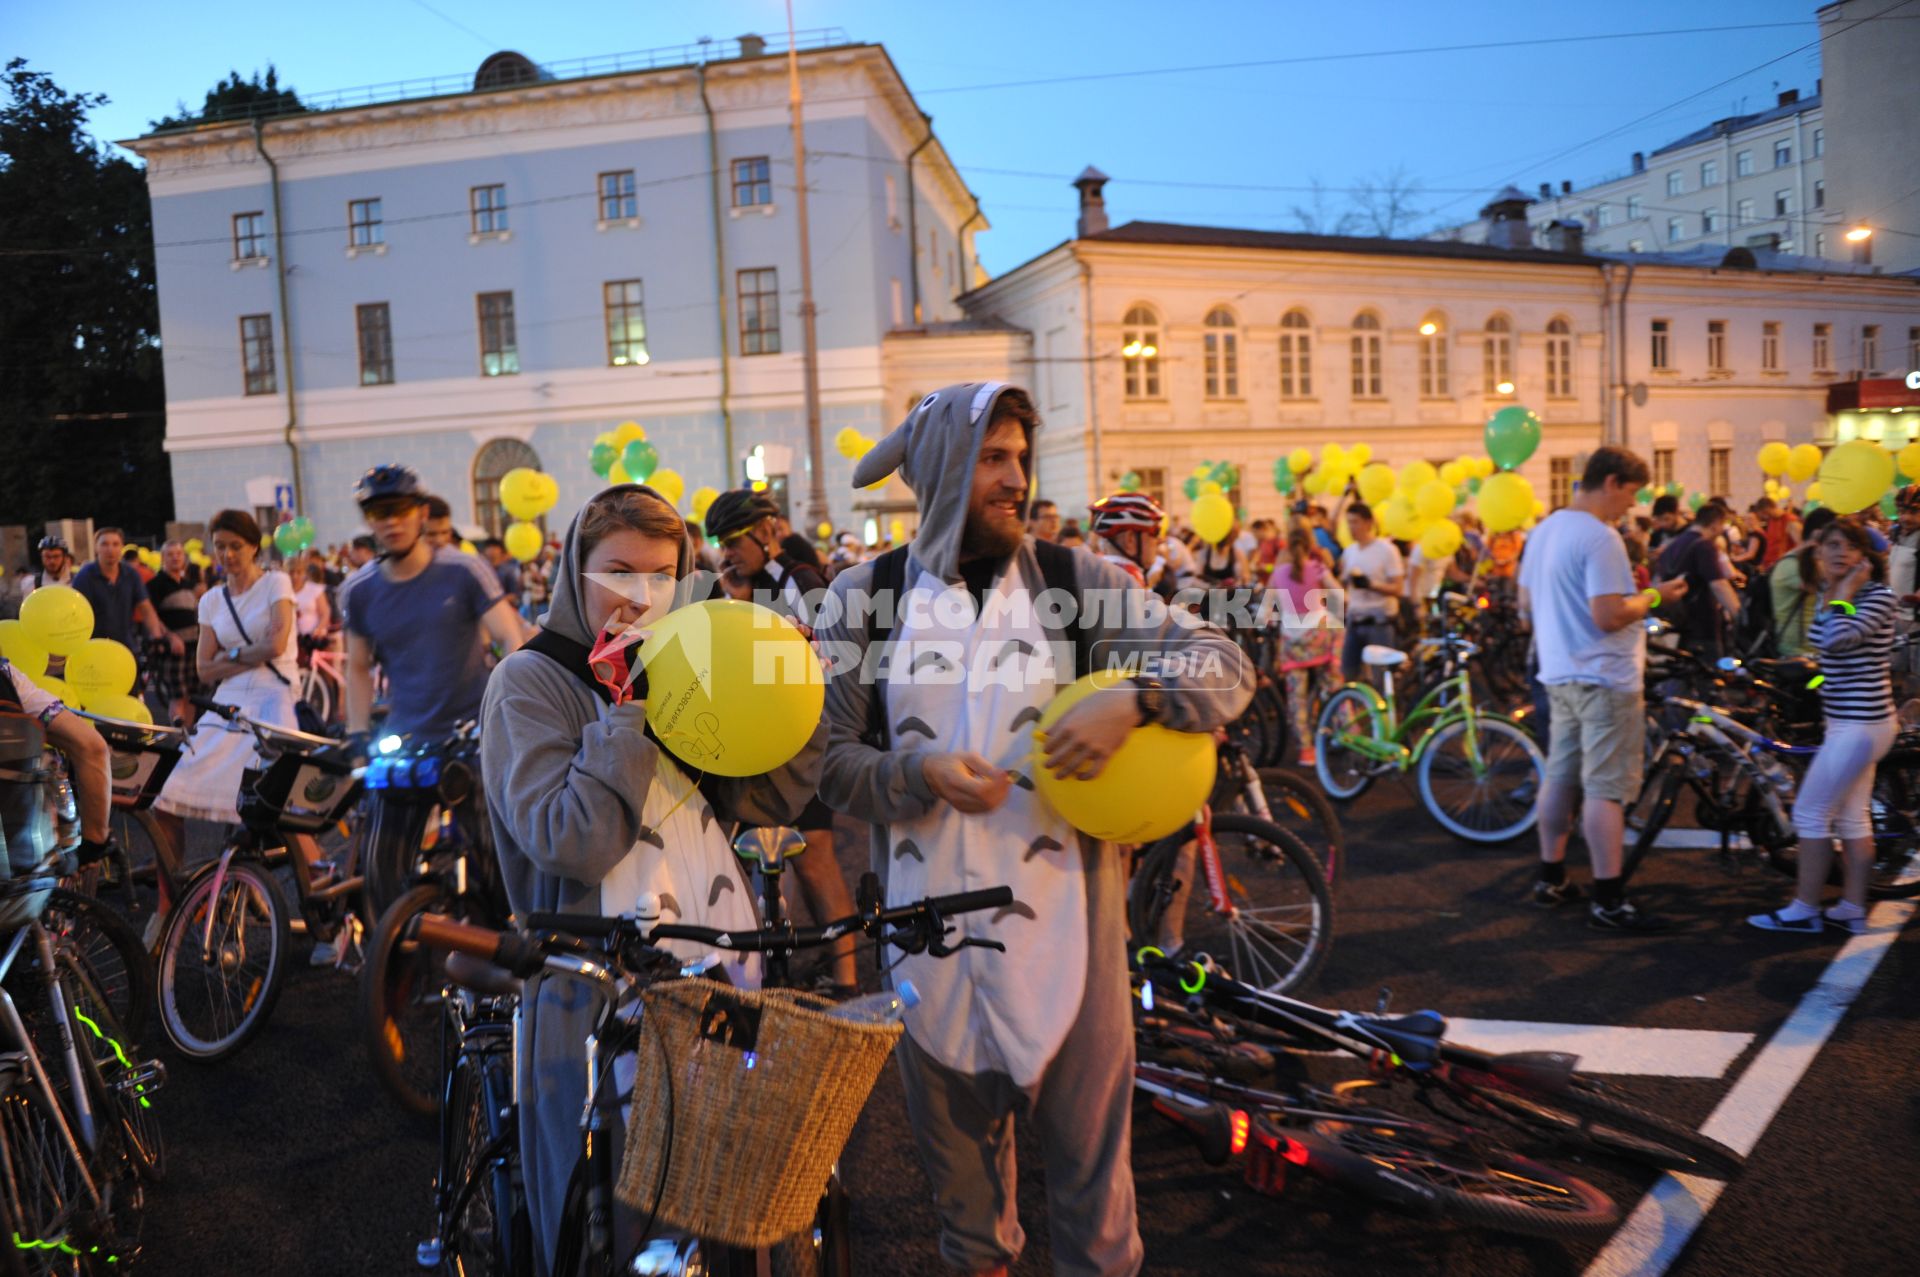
[
  {"x": 233, "y": 653},
  {"x": 1150, "y": 694}
]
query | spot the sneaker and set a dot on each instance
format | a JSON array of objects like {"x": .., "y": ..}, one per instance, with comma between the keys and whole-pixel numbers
[
  {"x": 1307, "y": 758},
  {"x": 1852, "y": 926},
  {"x": 1624, "y": 917},
  {"x": 1551, "y": 895},
  {"x": 1811, "y": 925},
  {"x": 325, "y": 954}
]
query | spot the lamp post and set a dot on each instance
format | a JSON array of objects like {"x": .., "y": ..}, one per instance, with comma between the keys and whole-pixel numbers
[{"x": 809, "y": 350}]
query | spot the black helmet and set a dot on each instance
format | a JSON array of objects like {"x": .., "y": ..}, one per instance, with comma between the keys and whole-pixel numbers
[
  {"x": 53, "y": 543},
  {"x": 389, "y": 480},
  {"x": 736, "y": 510}
]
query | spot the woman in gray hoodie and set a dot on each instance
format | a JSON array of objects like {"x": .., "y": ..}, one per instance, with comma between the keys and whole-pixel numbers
[{"x": 588, "y": 811}]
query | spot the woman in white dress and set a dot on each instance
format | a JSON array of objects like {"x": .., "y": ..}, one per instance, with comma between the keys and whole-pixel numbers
[{"x": 246, "y": 655}]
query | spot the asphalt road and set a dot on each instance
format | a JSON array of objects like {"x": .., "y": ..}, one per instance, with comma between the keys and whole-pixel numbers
[{"x": 290, "y": 1160}]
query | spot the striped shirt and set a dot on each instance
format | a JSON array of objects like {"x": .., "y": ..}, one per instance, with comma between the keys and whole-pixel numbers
[{"x": 1856, "y": 655}]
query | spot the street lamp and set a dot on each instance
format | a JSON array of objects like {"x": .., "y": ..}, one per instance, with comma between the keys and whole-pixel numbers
[
  {"x": 1505, "y": 388},
  {"x": 1429, "y": 328},
  {"x": 1859, "y": 234}
]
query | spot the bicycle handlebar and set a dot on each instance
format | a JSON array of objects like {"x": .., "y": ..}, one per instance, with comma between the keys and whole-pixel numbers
[{"x": 238, "y": 720}]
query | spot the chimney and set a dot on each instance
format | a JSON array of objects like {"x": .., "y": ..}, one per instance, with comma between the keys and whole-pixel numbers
[
  {"x": 1566, "y": 188},
  {"x": 1789, "y": 96},
  {"x": 753, "y": 46},
  {"x": 1567, "y": 235},
  {"x": 1093, "y": 205},
  {"x": 1506, "y": 218},
  {"x": 1639, "y": 161},
  {"x": 1546, "y": 190}
]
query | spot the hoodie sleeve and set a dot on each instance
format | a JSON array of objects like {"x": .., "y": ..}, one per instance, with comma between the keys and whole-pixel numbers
[
  {"x": 568, "y": 796},
  {"x": 873, "y": 785}
]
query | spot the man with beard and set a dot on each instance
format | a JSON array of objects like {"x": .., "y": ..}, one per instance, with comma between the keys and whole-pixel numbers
[{"x": 937, "y": 753}]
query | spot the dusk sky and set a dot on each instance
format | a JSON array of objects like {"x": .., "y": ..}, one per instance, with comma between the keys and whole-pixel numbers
[{"x": 1215, "y": 113}]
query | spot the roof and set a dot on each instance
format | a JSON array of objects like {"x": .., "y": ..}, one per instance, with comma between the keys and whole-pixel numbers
[
  {"x": 1174, "y": 234},
  {"x": 1741, "y": 123},
  {"x": 958, "y": 327}
]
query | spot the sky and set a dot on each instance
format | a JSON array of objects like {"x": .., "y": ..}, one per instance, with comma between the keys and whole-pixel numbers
[{"x": 1204, "y": 112}]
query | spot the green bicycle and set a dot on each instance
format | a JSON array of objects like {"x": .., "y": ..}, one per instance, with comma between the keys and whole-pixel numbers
[{"x": 1478, "y": 772}]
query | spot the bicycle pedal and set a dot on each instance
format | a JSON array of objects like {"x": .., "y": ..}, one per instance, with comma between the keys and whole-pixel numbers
[
  {"x": 143, "y": 1078},
  {"x": 428, "y": 1253}
]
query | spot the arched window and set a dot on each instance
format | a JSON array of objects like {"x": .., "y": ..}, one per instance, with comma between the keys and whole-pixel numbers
[
  {"x": 1140, "y": 353},
  {"x": 490, "y": 465},
  {"x": 1296, "y": 356},
  {"x": 1497, "y": 364},
  {"x": 1222, "y": 355},
  {"x": 1433, "y": 357},
  {"x": 1560, "y": 360},
  {"x": 1366, "y": 356}
]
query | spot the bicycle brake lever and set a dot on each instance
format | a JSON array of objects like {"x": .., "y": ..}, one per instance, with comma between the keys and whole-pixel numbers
[{"x": 941, "y": 949}]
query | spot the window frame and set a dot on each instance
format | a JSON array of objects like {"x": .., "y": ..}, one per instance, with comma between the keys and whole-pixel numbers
[
  {"x": 502, "y": 328},
  {"x": 255, "y": 237},
  {"x": 758, "y": 337},
  {"x": 1743, "y": 163},
  {"x": 1709, "y": 221},
  {"x": 1559, "y": 482},
  {"x": 1770, "y": 345},
  {"x": 1822, "y": 347},
  {"x": 1869, "y": 349},
  {"x": 1717, "y": 345},
  {"x": 1220, "y": 355},
  {"x": 1818, "y": 146},
  {"x": 1559, "y": 358},
  {"x": 1709, "y": 172},
  {"x": 1819, "y": 192},
  {"x": 258, "y": 375},
  {"x": 1783, "y": 203},
  {"x": 620, "y": 314},
  {"x": 1140, "y": 379},
  {"x": 487, "y": 207},
  {"x": 1496, "y": 357},
  {"x": 1366, "y": 359},
  {"x": 622, "y": 202},
  {"x": 1676, "y": 229},
  {"x": 1743, "y": 211},
  {"x": 1660, "y": 344},
  {"x": 366, "y": 231},
  {"x": 757, "y": 182},
  {"x": 1435, "y": 377},
  {"x": 1783, "y": 153},
  {"x": 375, "y": 340},
  {"x": 1296, "y": 356},
  {"x": 1676, "y": 182},
  {"x": 1662, "y": 467},
  {"x": 1719, "y": 471},
  {"x": 1636, "y": 207}
]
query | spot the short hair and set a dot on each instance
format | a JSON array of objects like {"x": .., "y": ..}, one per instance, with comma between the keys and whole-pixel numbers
[
  {"x": 1041, "y": 503},
  {"x": 238, "y": 522},
  {"x": 1815, "y": 523},
  {"x": 102, "y": 532},
  {"x": 131, "y": 552},
  {"x": 1013, "y": 402},
  {"x": 365, "y": 541},
  {"x": 800, "y": 550},
  {"x": 316, "y": 572},
  {"x": 437, "y": 508},
  {"x": 1666, "y": 503},
  {"x": 1362, "y": 509},
  {"x": 629, "y": 509},
  {"x": 1614, "y": 463},
  {"x": 1710, "y": 513},
  {"x": 1764, "y": 505},
  {"x": 493, "y": 543}
]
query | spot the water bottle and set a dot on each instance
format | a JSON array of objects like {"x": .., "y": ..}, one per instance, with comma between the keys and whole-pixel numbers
[{"x": 884, "y": 1007}]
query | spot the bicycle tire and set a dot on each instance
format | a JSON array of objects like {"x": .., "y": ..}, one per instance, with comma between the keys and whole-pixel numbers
[
  {"x": 1334, "y": 764},
  {"x": 1428, "y": 1170},
  {"x": 825, "y": 1249},
  {"x": 317, "y": 691},
  {"x": 400, "y": 1008},
  {"x": 251, "y": 889},
  {"x": 110, "y": 951},
  {"x": 110, "y": 1050},
  {"x": 487, "y": 1234},
  {"x": 43, "y": 1179},
  {"x": 1298, "y": 806},
  {"x": 1526, "y": 787},
  {"x": 1585, "y": 1116},
  {"x": 1156, "y": 888},
  {"x": 1895, "y": 874},
  {"x": 1646, "y": 817},
  {"x": 1272, "y": 708},
  {"x": 390, "y": 836}
]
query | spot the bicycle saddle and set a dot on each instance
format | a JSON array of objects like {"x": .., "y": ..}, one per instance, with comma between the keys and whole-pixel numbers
[
  {"x": 482, "y": 977},
  {"x": 1382, "y": 656},
  {"x": 769, "y": 845},
  {"x": 1425, "y": 1024}
]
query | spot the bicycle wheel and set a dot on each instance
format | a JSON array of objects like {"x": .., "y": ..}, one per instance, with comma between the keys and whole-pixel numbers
[
  {"x": 1271, "y": 705},
  {"x": 1278, "y": 925},
  {"x": 823, "y": 1250},
  {"x": 1647, "y": 816},
  {"x": 223, "y": 959},
  {"x": 1896, "y": 845},
  {"x": 43, "y": 1202},
  {"x": 1297, "y": 806},
  {"x": 1344, "y": 772},
  {"x": 1490, "y": 803},
  {"x": 485, "y": 1231},
  {"x": 108, "y": 949},
  {"x": 1586, "y": 1117},
  {"x": 400, "y": 1005},
  {"x": 317, "y": 691},
  {"x": 119, "y": 1093},
  {"x": 1431, "y": 1171},
  {"x": 390, "y": 836}
]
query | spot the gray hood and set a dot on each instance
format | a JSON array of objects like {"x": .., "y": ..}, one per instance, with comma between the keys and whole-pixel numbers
[
  {"x": 565, "y": 615},
  {"x": 934, "y": 450}
]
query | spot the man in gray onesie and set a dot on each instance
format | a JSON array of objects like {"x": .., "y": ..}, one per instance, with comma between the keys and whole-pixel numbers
[{"x": 937, "y": 750}]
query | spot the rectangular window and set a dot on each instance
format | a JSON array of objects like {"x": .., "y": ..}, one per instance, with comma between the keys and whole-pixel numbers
[
  {"x": 1676, "y": 183},
  {"x": 1709, "y": 172},
  {"x": 1636, "y": 208},
  {"x": 893, "y": 203},
  {"x": 499, "y": 347},
  {"x": 1676, "y": 231},
  {"x": 1819, "y": 243},
  {"x": 1709, "y": 221},
  {"x": 617, "y": 202},
  {"x": 364, "y": 228},
  {"x": 752, "y": 182},
  {"x": 1153, "y": 483},
  {"x": 1782, "y": 154},
  {"x": 1719, "y": 471},
  {"x": 1782, "y": 203},
  {"x": 1717, "y": 345},
  {"x": 1636, "y": 246},
  {"x": 1559, "y": 364},
  {"x": 256, "y": 353},
  {"x": 1296, "y": 358},
  {"x": 1559, "y": 482},
  {"x": 1769, "y": 351},
  {"x": 897, "y": 301},
  {"x": 1603, "y": 216},
  {"x": 489, "y": 205},
  {"x": 1870, "y": 349},
  {"x": 1823, "y": 347},
  {"x": 1742, "y": 163},
  {"x": 759, "y": 312},
  {"x": 1819, "y": 142},
  {"x": 1657, "y": 354},
  {"x": 626, "y": 323},
  {"x": 1743, "y": 213},
  {"x": 1662, "y": 467},
  {"x": 374, "y": 325},
  {"x": 1819, "y": 192},
  {"x": 249, "y": 236}
]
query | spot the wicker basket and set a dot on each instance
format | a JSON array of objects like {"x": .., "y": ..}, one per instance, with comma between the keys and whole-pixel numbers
[{"x": 762, "y": 1090}]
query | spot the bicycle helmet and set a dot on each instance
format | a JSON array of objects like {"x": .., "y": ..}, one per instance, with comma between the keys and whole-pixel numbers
[
  {"x": 389, "y": 480},
  {"x": 734, "y": 511},
  {"x": 53, "y": 543},
  {"x": 1125, "y": 510}
]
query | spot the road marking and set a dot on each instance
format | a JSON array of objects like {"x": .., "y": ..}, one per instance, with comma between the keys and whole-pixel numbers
[
  {"x": 1607, "y": 1048},
  {"x": 1695, "y": 840},
  {"x": 1660, "y": 1226}
]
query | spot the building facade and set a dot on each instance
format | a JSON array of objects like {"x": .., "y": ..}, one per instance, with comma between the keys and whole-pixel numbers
[{"x": 491, "y": 275}]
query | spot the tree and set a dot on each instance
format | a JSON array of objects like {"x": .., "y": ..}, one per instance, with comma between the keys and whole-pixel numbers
[
  {"x": 1386, "y": 205},
  {"x": 237, "y": 99},
  {"x": 82, "y": 404},
  {"x": 1316, "y": 219}
]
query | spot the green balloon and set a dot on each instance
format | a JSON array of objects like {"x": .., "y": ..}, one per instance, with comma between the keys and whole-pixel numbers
[
  {"x": 1192, "y": 488},
  {"x": 1901, "y": 480},
  {"x": 1697, "y": 500},
  {"x": 1130, "y": 481},
  {"x": 1512, "y": 435},
  {"x": 1645, "y": 495},
  {"x": 641, "y": 460},
  {"x": 286, "y": 539},
  {"x": 1473, "y": 484},
  {"x": 1673, "y": 488},
  {"x": 1813, "y": 503},
  {"x": 602, "y": 458}
]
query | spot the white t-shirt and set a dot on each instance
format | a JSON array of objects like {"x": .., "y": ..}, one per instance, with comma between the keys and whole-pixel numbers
[
  {"x": 34, "y": 699},
  {"x": 1424, "y": 574},
  {"x": 1377, "y": 560},
  {"x": 255, "y": 606},
  {"x": 306, "y": 617},
  {"x": 1571, "y": 559}
]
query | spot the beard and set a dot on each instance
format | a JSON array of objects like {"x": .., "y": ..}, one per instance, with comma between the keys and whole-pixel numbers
[{"x": 988, "y": 536}]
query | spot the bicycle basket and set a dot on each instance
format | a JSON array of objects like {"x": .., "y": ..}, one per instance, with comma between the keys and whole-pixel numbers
[
  {"x": 299, "y": 793},
  {"x": 142, "y": 760},
  {"x": 761, "y": 1088}
]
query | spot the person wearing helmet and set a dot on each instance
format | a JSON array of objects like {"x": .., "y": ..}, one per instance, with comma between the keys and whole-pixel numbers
[
  {"x": 56, "y": 567},
  {"x": 1126, "y": 533}
]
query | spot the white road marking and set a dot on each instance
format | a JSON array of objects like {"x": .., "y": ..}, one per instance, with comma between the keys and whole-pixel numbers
[
  {"x": 1695, "y": 840},
  {"x": 1607, "y": 1048},
  {"x": 1660, "y": 1226}
]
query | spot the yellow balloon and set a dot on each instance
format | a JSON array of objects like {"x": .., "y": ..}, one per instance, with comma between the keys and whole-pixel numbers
[
  {"x": 526, "y": 493},
  {"x": 1441, "y": 538},
  {"x": 468, "y": 547},
  {"x": 1377, "y": 483},
  {"x": 1804, "y": 463},
  {"x": 1506, "y": 501},
  {"x": 1333, "y": 456},
  {"x": 1212, "y": 516},
  {"x": 1151, "y": 786},
  {"x": 1909, "y": 461},
  {"x": 1483, "y": 466},
  {"x": 1394, "y": 515},
  {"x": 897, "y": 531},
  {"x": 847, "y": 442},
  {"x": 1539, "y": 509},
  {"x": 1416, "y": 475},
  {"x": 194, "y": 545},
  {"x": 824, "y": 531},
  {"x": 702, "y": 498},
  {"x": 617, "y": 473},
  {"x": 1774, "y": 457},
  {"x": 1855, "y": 475},
  {"x": 1343, "y": 535},
  {"x": 1432, "y": 499},
  {"x": 200, "y": 559},
  {"x": 1814, "y": 491},
  {"x": 523, "y": 541},
  {"x": 130, "y": 709},
  {"x": 1453, "y": 474},
  {"x": 668, "y": 484},
  {"x": 20, "y": 649},
  {"x": 1210, "y": 488},
  {"x": 101, "y": 667},
  {"x": 1300, "y": 460},
  {"x": 1360, "y": 454},
  {"x": 58, "y": 687},
  {"x": 58, "y": 618},
  {"x": 733, "y": 688},
  {"x": 627, "y": 432}
]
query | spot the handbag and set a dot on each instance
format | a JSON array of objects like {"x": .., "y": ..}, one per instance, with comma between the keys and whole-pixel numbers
[{"x": 304, "y": 714}]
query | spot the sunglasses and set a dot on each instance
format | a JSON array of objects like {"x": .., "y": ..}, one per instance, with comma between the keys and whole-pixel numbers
[{"x": 388, "y": 507}]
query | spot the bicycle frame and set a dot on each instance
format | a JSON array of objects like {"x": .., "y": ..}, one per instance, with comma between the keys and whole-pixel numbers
[
  {"x": 1450, "y": 701},
  {"x": 82, "y": 1144}
]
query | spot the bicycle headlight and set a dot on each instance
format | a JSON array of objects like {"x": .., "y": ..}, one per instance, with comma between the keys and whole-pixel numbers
[{"x": 390, "y": 744}]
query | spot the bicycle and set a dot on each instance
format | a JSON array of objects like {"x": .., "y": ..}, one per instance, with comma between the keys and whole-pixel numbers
[
  {"x": 223, "y": 948},
  {"x": 143, "y": 756},
  {"x": 1478, "y": 773},
  {"x": 1284, "y": 798}
]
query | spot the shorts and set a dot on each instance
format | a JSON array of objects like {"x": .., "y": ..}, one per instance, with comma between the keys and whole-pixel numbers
[
  {"x": 177, "y": 676},
  {"x": 816, "y": 815},
  {"x": 1598, "y": 740}
]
